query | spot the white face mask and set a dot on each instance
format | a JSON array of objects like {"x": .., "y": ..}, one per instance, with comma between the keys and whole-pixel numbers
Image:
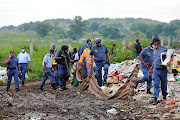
[
  {"x": 151, "y": 47},
  {"x": 155, "y": 47},
  {"x": 22, "y": 50}
]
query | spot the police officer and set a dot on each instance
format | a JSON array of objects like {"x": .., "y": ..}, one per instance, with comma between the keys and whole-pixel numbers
[
  {"x": 48, "y": 70},
  {"x": 63, "y": 58},
  {"x": 159, "y": 74},
  {"x": 12, "y": 70},
  {"x": 138, "y": 47},
  {"x": 24, "y": 60},
  {"x": 146, "y": 57},
  {"x": 100, "y": 53}
]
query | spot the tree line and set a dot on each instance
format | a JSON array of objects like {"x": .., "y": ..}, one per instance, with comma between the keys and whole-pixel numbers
[{"x": 108, "y": 28}]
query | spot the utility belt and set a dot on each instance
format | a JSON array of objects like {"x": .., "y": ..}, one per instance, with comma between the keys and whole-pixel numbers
[
  {"x": 161, "y": 68},
  {"x": 22, "y": 63},
  {"x": 57, "y": 68},
  {"x": 11, "y": 68},
  {"x": 99, "y": 61}
]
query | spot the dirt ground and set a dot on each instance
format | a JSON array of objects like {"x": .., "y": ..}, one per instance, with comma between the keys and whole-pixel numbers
[{"x": 33, "y": 104}]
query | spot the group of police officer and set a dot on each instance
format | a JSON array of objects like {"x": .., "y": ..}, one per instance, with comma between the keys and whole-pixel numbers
[
  {"x": 153, "y": 70},
  {"x": 59, "y": 72},
  {"x": 16, "y": 67}
]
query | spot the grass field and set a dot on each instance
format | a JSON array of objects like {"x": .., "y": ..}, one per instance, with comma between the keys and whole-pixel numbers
[{"x": 15, "y": 40}]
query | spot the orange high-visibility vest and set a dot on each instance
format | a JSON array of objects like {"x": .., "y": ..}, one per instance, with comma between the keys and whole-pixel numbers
[{"x": 86, "y": 55}]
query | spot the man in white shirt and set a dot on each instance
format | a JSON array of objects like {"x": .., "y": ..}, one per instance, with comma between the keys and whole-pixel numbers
[{"x": 24, "y": 60}]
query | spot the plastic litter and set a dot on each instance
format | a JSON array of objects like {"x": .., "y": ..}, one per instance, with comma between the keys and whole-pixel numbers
[
  {"x": 173, "y": 110},
  {"x": 177, "y": 103},
  {"x": 168, "y": 102},
  {"x": 112, "y": 111}
]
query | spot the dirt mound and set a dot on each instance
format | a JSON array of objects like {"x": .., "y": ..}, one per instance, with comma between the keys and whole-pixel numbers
[{"x": 31, "y": 103}]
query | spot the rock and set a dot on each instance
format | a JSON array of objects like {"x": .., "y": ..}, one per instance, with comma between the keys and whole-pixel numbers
[{"x": 63, "y": 111}]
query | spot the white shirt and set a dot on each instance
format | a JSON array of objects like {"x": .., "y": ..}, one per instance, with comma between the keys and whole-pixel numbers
[
  {"x": 48, "y": 60},
  {"x": 23, "y": 57},
  {"x": 76, "y": 57}
]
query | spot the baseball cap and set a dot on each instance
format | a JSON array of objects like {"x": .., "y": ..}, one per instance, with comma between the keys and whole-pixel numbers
[
  {"x": 98, "y": 40},
  {"x": 12, "y": 51},
  {"x": 155, "y": 39},
  {"x": 23, "y": 47}
]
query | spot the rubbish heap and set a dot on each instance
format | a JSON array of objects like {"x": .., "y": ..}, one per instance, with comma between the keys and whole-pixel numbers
[{"x": 3, "y": 74}]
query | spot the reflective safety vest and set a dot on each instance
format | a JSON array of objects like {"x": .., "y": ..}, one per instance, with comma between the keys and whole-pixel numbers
[{"x": 86, "y": 55}]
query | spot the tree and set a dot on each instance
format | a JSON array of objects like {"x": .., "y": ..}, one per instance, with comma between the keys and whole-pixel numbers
[
  {"x": 112, "y": 33},
  {"x": 158, "y": 29},
  {"x": 140, "y": 26},
  {"x": 138, "y": 34},
  {"x": 78, "y": 28},
  {"x": 43, "y": 29},
  {"x": 11, "y": 27},
  {"x": 94, "y": 26},
  {"x": 170, "y": 29}
]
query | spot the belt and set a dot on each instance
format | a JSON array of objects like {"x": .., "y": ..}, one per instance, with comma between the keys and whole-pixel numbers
[
  {"x": 22, "y": 63},
  {"x": 12, "y": 68},
  {"x": 99, "y": 61},
  {"x": 161, "y": 68}
]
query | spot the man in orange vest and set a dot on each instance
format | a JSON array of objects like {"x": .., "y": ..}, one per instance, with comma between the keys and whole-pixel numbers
[{"x": 86, "y": 55}]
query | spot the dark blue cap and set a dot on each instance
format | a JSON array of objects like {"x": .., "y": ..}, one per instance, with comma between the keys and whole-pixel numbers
[
  {"x": 52, "y": 50},
  {"x": 98, "y": 40},
  {"x": 155, "y": 39},
  {"x": 88, "y": 40},
  {"x": 137, "y": 39},
  {"x": 53, "y": 47},
  {"x": 23, "y": 47},
  {"x": 12, "y": 51}
]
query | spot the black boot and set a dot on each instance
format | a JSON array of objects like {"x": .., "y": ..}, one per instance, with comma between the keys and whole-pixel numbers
[
  {"x": 148, "y": 91},
  {"x": 22, "y": 84},
  {"x": 17, "y": 89},
  {"x": 54, "y": 86},
  {"x": 41, "y": 88},
  {"x": 155, "y": 102},
  {"x": 61, "y": 88},
  {"x": 64, "y": 87},
  {"x": 164, "y": 97},
  {"x": 136, "y": 85}
]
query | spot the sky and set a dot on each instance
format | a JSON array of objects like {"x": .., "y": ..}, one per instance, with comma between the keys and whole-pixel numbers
[{"x": 16, "y": 12}]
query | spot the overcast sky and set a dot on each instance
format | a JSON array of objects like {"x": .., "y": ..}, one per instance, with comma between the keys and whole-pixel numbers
[{"x": 16, "y": 12}]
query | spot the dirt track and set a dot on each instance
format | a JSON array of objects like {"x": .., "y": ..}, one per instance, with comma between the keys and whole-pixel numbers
[{"x": 31, "y": 103}]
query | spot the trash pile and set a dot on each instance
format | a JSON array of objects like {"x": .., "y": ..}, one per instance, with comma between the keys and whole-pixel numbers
[
  {"x": 3, "y": 74},
  {"x": 118, "y": 74}
]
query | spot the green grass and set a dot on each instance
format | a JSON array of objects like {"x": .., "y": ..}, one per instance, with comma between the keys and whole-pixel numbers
[{"x": 15, "y": 40}]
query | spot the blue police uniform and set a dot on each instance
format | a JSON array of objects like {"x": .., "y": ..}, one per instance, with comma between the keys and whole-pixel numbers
[
  {"x": 106, "y": 67},
  {"x": 159, "y": 73},
  {"x": 12, "y": 71},
  {"x": 147, "y": 56},
  {"x": 63, "y": 72},
  {"x": 100, "y": 60},
  {"x": 50, "y": 75},
  {"x": 23, "y": 61}
]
